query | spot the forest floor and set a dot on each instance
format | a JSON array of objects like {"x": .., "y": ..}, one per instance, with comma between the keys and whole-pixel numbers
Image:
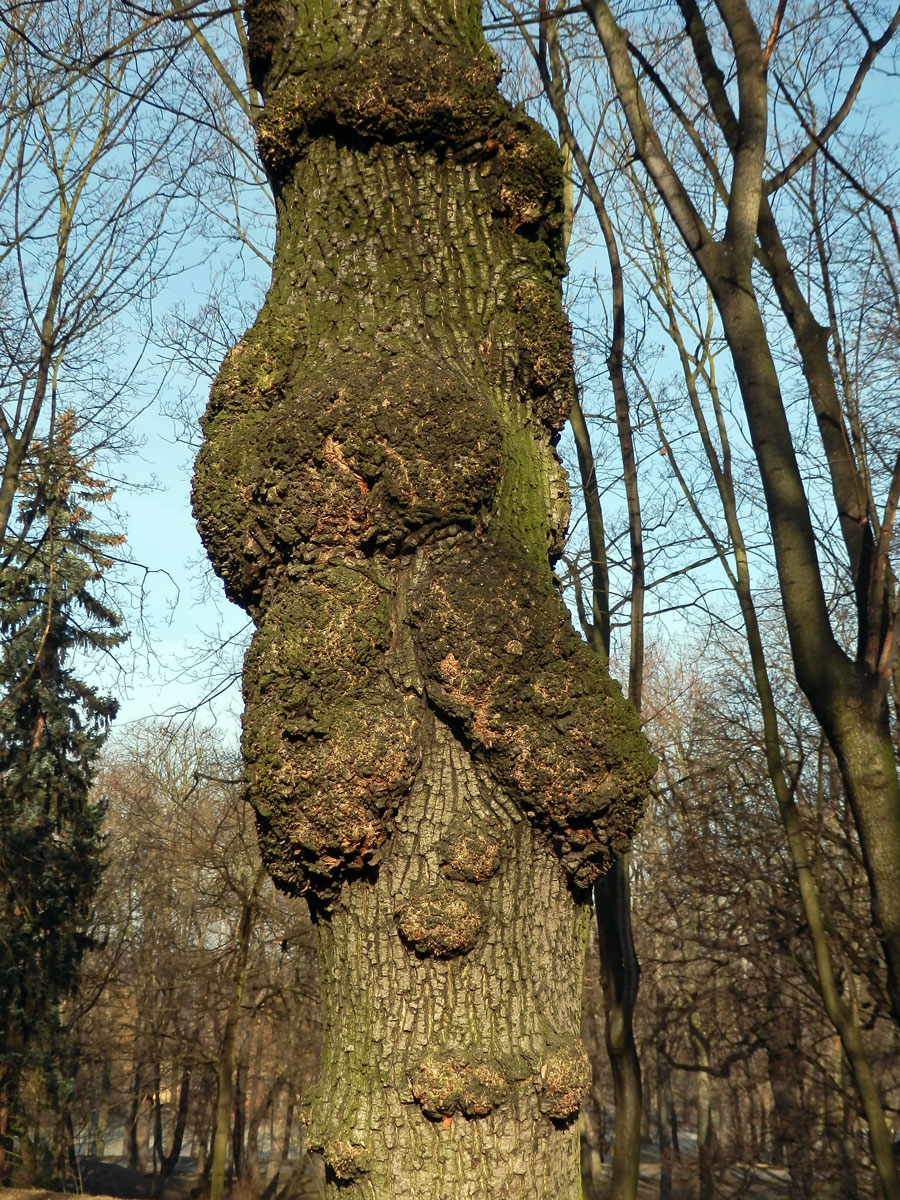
[
  {"x": 105, "y": 1180},
  {"x": 749, "y": 1181},
  {"x": 760, "y": 1182}
]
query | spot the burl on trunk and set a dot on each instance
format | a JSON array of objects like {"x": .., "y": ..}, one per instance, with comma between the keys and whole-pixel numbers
[{"x": 436, "y": 758}]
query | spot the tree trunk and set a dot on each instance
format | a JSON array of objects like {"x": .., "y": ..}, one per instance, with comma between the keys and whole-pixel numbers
[
  {"x": 461, "y": 1064},
  {"x": 620, "y": 975},
  {"x": 137, "y": 1134},
  {"x": 168, "y": 1162},
  {"x": 848, "y": 698},
  {"x": 100, "y": 1118},
  {"x": 225, "y": 1091},
  {"x": 286, "y": 1135},
  {"x": 793, "y": 1132},
  {"x": 706, "y": 1132},
  {"x": 239, "y": 1121},
  {"x": 594, "y": 1118},
  {"x": 437, "y": 760},
  {"x": 663, "y": 1104},
  {"x": 5, "y": 1133},
  {"x": 849, "y": 1150}
]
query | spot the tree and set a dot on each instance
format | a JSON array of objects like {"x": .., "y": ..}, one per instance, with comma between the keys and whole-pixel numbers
[
  {"x": 85, "y": 237},
  {"x": 689, "y": 141},
  {"x": 437, "y": 759},
  {"x": 52, "y": 726},
  {"x": 847, "y": 687}
]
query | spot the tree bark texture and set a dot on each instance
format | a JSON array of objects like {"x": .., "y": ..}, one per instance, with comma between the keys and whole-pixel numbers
[{"x": 436, "y": 759}]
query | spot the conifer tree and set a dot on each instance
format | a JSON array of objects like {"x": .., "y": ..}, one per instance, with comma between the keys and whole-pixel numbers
[{"x": 52, "y": 727}]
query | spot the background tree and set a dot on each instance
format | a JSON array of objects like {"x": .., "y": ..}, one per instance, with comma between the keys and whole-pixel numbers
[
  {"x": 91, "y": 164},
  {"x": 847, "y": 685},
  {"x": 52, "y": 726},
  {"x": 191, "y": 957}
]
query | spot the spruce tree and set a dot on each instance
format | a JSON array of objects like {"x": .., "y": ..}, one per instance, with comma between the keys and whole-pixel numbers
[{"x": 52, "y": 727}]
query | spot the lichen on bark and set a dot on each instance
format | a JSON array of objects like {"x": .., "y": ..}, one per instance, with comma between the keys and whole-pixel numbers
[{"x": 436, "y": 758}]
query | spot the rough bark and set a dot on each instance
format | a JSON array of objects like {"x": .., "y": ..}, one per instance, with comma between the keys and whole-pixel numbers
[{"x": 437, "y": 760}]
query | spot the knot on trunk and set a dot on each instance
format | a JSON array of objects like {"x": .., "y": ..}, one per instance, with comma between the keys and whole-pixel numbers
[
  {"x": 360, "y": 454},
  {"x": 450, "y": 1082},
  {"x": 564, "y": 1080},
  {"x": 346, "y": 1161},
  {"x": 470, "y": 854},
  {"x": 329, "y": 741},
  {"x": 503, "y": 666},
  {"x": 443, "y": 921}
]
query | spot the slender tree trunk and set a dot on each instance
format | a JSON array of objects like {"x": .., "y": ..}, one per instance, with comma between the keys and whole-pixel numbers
[
  {"x": 663, "y": 1138},
  {"x": 225, "y": 1093},
  {"x": 673, "y": 1120},
  {"x": 103, "y": 1108},
  {"x": 737, "y": 1137},
  {"x": 620, "y": 976},
  {"x": 841, "y": 1154},
  {"x": 138, "y": 1130},
  {"x": 849, "y": 1150},
  {"x": 5, "y": 1133},
  {"x": 168, "y": 1162},
  {"x": 795, "y": 1132},
  {"x": 706, "y": 1133},
  {"x": 620, "y": 970},
  {"x": 100, "y": 1115},
  {"x": 253, "y": 1172},
  {"x": 286, "y": 1135},
  {"x": 849, "y": 700},
  {"x": 239, "y": 1119},
  {"x": 437, "y": 760},
  {"x": 594, "y": 1113},
  {"x": 663, "y": 1105}
]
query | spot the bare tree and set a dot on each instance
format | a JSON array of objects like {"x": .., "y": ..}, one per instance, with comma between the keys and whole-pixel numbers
[
  {"x": 85, "y": 239},
  {"x": 847, "y": 686},
  {"x": 197, "y": 952},
  {"x": 687, "y": 148}
]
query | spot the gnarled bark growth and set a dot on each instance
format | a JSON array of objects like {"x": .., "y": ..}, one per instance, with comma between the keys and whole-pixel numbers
[{"x": 437, "y": 760}]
